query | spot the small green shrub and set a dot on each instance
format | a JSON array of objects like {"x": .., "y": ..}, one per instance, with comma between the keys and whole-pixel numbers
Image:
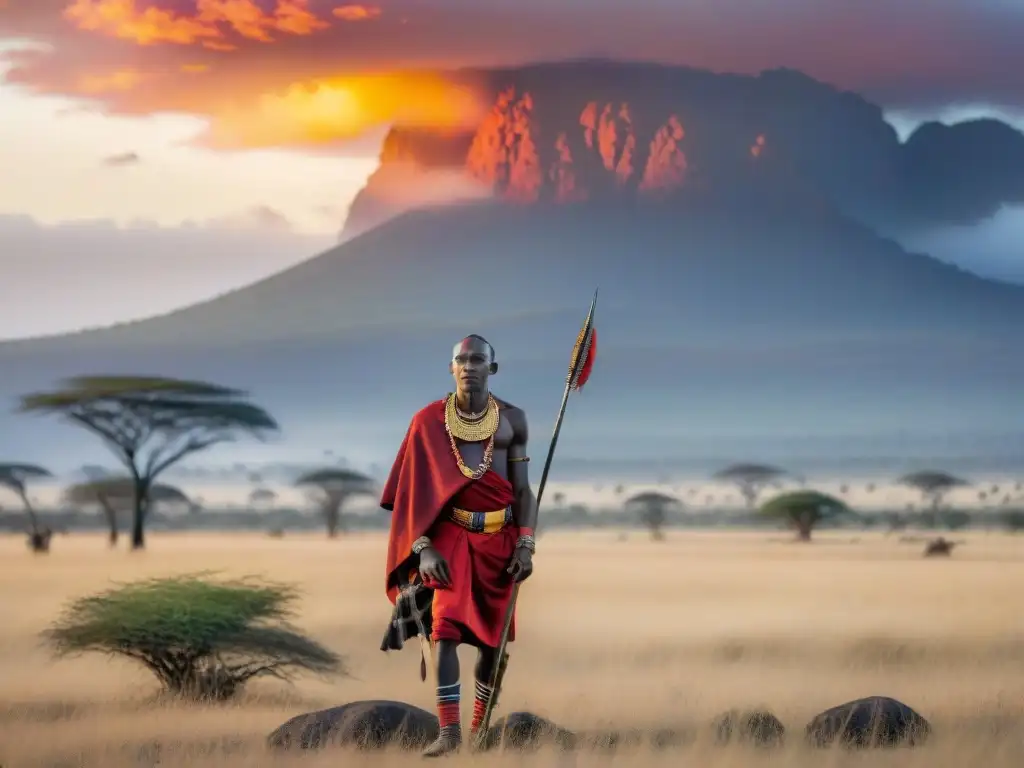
[
  {"x": 203, "y": 639},
  {"x": 803, "y": 509}
]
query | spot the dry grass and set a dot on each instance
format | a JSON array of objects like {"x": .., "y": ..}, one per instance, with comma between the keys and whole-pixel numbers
[{"x": 636, "y": 633}]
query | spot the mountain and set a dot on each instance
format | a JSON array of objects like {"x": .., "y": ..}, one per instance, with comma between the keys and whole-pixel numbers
[
  {"x": 562, "y": 132},
  {"x": 713, "y": 322},
  {"x": 749, "y": 307}
]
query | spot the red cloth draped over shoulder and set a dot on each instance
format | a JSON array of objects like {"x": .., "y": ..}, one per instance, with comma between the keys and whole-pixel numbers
[{"x": 424, "y": 479}]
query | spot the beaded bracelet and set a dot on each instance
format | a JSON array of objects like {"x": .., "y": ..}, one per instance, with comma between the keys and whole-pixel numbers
[
  {"x": 420, "y": 544},
  {"x": 526, "y": 541}
]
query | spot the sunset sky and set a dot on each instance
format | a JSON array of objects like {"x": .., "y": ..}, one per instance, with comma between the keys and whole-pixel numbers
[{"x": 238, "y": 131}]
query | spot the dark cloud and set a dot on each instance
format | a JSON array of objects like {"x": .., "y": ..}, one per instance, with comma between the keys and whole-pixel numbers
[
  {"x": 948, "y": 52},
  {"x": 122, "y": 159}
]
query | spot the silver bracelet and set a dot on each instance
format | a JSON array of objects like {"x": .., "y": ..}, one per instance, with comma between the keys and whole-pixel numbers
[
  {"x": 527, "y": 541},
  {"x": 420, "y": 544}
]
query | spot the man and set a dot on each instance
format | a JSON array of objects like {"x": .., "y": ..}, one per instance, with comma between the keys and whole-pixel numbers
[{"x": 462, "y": 523}]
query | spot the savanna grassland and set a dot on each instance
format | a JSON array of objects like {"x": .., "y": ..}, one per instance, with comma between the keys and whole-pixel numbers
[{"x": 633, "y": 633}]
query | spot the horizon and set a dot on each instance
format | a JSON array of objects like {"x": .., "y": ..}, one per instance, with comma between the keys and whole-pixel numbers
[{"x": 863, "y": 492}]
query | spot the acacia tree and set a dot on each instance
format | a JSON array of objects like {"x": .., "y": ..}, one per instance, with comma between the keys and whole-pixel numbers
[
  {"x": 750, "y": 479},
  {"x": 653, "y": 509},
  {"x": 202, "y": 639},
  {"x": 115, "y": 496},
  {"x": 933, "y": 487},
  {"x": 151, "y": 423},
  {"x": 803, "y": 510},
  {"x": 333, "y": 487},
  {"x": 262, "y": 498},
  {"x": 15, "y": 478}
]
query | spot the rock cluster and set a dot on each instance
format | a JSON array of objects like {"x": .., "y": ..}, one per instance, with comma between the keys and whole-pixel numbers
[{"x": 876, "y": 721}]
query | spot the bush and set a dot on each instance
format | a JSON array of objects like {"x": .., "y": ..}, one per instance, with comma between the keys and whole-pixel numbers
[{"x": 202, "y": 639}]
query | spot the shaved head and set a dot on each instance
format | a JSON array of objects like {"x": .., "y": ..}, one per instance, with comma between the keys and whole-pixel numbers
[{"x": 472, "y": 341}]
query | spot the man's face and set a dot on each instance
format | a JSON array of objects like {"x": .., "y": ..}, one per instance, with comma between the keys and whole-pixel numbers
[{"x": 472, "y": 365}]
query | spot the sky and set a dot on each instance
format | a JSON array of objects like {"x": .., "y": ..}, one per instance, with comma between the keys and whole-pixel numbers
[{"x": 163, "y": 151}]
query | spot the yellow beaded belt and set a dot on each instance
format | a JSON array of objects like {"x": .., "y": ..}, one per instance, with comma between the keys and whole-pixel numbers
[{"x": 481, "y": 522}]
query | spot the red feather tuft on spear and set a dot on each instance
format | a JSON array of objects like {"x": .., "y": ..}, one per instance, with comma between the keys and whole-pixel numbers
[
  {"x": 584, "y": 352},
  {"x": 589, "y": 354}
]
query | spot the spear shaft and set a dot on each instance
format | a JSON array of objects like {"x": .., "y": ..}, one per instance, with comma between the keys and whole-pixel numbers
[{"x": 572, "y": 381}]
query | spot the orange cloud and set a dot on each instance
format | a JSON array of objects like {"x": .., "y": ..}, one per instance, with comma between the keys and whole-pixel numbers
[
  {"x": 980, "y": 44},
  {"x": 295, "y": 18},
  {"x": 120, "y": 80},
  {"x": 121, "y": 19},
  {"x": 356, "y": 12},
  {"x": 292, "y": 17},
  {"x": 153, "y": 24},
  {"x": 328, "y": 110},
  {"x": 194, "y": 69}
]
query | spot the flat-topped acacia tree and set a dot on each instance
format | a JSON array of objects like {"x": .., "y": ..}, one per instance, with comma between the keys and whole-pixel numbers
[
  {"x": 803, "y": 510},
  {"x": 653, "y": 508},
  {"x": 749, "y": 479},
  {"x": 15, "y": 478},
  {"x": 150, "y": 423},
  {"x": 933, "y": 485},
  {"x": 262, "y": 498},
  {"x": 114, "y": 495},
  {"x": 334, "y": 486}
]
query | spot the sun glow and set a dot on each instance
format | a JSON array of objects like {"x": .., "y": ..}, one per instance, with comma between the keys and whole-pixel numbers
[{"x": 329, "y": 110}]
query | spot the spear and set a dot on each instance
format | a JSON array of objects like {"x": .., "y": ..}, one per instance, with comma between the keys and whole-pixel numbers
[{"x": 581, "y": 363}]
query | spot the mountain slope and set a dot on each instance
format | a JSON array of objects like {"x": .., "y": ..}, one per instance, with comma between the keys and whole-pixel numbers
[
  {"x": 753, "y": 319},
  {"x": 717, "y": 269}
]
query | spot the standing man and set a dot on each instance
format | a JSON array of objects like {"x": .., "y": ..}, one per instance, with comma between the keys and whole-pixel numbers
[{"x": 462, "y": 523}]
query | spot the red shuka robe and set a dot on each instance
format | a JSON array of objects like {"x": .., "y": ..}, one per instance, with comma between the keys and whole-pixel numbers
[{"x": 425, "y": 481}]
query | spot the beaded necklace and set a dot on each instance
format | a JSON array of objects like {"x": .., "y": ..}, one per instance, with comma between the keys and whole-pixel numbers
[{"x": 458, "y": 426}]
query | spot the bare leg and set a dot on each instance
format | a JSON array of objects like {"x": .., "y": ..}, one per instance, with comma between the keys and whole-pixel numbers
[
  {"x": 448, "y": 701},
  {"x": 447, "y": 662},
  {"x": 485, "y": 664}
]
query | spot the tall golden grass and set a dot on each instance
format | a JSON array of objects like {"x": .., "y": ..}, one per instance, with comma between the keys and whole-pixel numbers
[{"x": 632, "y": 633}]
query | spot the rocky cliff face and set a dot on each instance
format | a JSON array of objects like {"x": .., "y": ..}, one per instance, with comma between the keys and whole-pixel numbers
[{"x": 584, "y": 131}]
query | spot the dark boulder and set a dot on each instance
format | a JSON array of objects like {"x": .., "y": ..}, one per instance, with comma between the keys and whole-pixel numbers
[
  {"x": 524, "y": 731},
  {"x": 360, "y": 724},
  {"x": 753, "y": 727},
  {"x": 876, "y": 721}
]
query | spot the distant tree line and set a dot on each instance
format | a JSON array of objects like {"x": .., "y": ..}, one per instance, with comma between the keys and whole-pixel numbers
[{"x": 151, "y": 423}]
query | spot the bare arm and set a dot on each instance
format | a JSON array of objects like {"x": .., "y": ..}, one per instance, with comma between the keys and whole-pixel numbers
[{"x": 524, "y": 507}]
